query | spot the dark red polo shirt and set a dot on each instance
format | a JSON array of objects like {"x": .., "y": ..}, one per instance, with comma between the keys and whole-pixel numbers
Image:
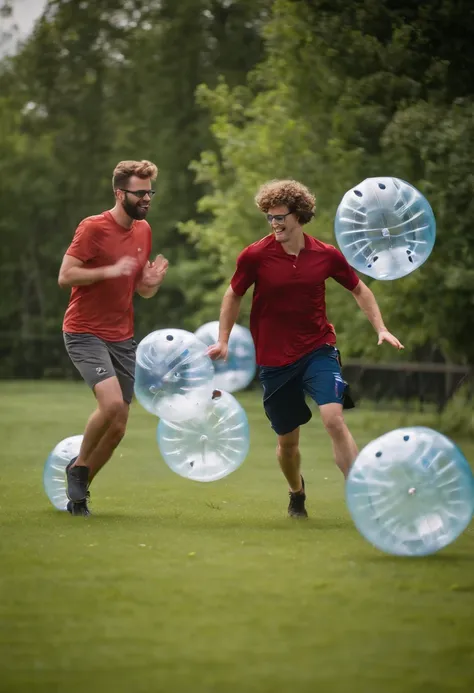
[{"x": 288, "y": 316}]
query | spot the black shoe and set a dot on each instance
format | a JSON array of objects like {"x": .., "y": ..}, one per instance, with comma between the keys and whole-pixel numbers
[
  {"x": 296, "y": 507},
  {"x": 78, "y": 508},
  {"x": 77, "y": 481}
]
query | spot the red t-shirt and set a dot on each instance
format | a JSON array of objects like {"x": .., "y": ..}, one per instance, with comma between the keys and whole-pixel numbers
[
  {"x": 288, "y": 316},
  {"x": 105, "y": 308}
]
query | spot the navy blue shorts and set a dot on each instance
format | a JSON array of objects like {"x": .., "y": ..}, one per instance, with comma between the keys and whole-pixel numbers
[{"x": 317, "y": 374}]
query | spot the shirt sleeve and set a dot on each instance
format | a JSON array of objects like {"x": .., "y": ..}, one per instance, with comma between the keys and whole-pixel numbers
[
  {"x": 84, "y": 243},
  {"x": 245, "y": 274},
  {"x": 342, "y": 272}
]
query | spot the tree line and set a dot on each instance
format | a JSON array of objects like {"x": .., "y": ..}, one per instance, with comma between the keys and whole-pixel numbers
[{"x": 224, "y": 95}]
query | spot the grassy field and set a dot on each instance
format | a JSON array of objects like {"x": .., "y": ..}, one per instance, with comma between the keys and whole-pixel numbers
[{"x": 209, "y": 588}]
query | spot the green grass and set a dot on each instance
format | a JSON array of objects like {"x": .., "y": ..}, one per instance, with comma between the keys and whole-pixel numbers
[{"x": 208, "y": 588}]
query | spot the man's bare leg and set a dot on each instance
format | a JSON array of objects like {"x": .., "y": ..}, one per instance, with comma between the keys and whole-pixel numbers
[
  {"x": 108, "y": 443},
  {"x": 106, "y": 423},
  {"x": 343, "y": 444},
  {"x": 289, "y": 458}
]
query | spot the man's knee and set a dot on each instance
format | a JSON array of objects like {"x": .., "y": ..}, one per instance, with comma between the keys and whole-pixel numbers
[
  {"x": 288, "y": 445},
  {"x": 118, "y": 413},
  {"x": 335, "y": 425},
  {"x": 113, "y": 409},
  {"x": 110, "y": 400}
]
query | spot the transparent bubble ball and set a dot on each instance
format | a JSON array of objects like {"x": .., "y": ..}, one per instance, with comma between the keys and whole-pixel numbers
[
  {"x": 239, "y": 370},
  {"x": 54, "y": 473},
  {"x": 411, "y": 492},
  {"x": 385, "y": 228},
  {"x": 210, "y": 446},
  {"x": 173, "y": 374}
]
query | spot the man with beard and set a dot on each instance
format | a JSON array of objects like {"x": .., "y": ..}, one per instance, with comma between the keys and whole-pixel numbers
[
  {"x": 105, "y": 264},
  {"x": 295, "y": 344}
]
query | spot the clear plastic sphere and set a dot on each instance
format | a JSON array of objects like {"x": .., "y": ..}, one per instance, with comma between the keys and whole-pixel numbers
[
  {"x": 54, "y": 473},
  {"x": 385, "y": 228},
  {"x": 173, "y": 374},
  {"x": 239, "y": 370},
  {"x": 411, "y": 492},
  {"x": 210, "y": 446}
]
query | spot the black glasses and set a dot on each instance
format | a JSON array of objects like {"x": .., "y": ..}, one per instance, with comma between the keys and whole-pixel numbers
[
  {"x": 279, "y": 218},
  {"x": 139, "y": 193}
]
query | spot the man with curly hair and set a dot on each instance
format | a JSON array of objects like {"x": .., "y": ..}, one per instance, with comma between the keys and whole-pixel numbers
[
  {"x": 105, "y": 264},
  {"x": 295, "y": 344}
]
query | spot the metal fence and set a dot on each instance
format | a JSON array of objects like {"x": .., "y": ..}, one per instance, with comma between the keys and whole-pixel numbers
[{"x": 420, "y": 382}]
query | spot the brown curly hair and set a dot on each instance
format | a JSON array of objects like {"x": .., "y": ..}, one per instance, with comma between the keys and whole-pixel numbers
[
  {"x": 294, "y": 195},
  {"x": 126, "y": 169}
]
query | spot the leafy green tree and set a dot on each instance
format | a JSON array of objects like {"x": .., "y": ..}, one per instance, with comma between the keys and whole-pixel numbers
[
  {"x": 348, "y": 91},
  {"x": 96, "y": 83}
]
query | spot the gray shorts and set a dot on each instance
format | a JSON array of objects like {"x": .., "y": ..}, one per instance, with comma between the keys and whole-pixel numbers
[{"x": 97, "y": 360}]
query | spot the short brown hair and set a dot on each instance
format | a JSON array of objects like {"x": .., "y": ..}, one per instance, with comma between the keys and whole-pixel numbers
[
  {"x": 126, "y": 169},
  {"x": 294, "y": 195}
]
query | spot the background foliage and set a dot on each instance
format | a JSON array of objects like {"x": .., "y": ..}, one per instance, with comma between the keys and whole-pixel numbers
[{"x": 224, "y": 95}]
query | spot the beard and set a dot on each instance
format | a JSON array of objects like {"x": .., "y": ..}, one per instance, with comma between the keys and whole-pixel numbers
[{"x": 134, "y": 211}]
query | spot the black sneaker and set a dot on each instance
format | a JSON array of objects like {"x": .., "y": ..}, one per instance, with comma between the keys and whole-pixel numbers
[
  {"x": 78, "y": 508},
  {"x": 77, "y": 481},
  {"x": 296, "y": 507}
]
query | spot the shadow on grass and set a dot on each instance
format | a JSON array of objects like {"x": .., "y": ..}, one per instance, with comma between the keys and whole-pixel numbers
[
  {"x": 446, "y": 557},
  {"x": 219, "y": 522}
]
